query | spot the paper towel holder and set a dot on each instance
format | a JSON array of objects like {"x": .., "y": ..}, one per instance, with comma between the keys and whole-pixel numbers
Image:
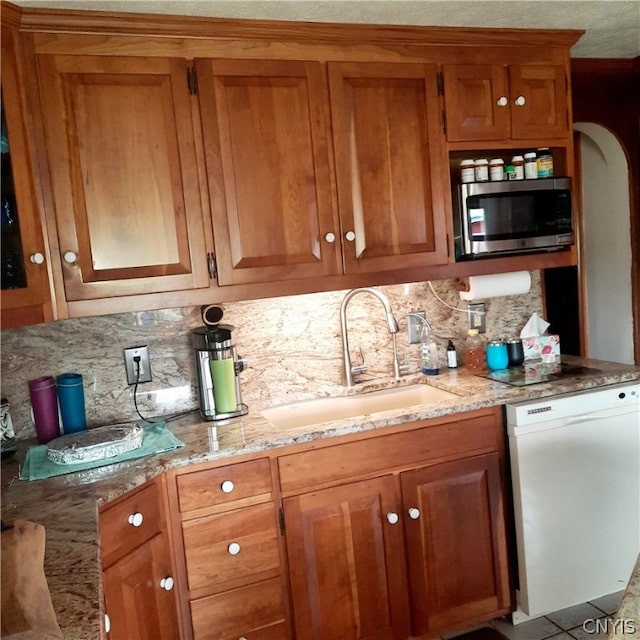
[{"x": 494, "y": 285}]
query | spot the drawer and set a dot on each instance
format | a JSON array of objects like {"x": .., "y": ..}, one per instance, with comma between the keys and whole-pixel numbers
[
  {"x": 231, "y": 546},
  {"x": 438, "y": 440},
  {"x": 224, "y": 485},
  {"x": 256, "y": 612},
  {"x": 130, "y": 522}
]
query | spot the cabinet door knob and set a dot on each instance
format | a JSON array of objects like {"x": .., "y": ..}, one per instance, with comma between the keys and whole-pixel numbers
[
  {"x": 70, "y": 257},
  {"x": 502, "y": 101},
  {"x": 107, "y": 623},
  {"x": 414, "y": 513},
  {"x": 227, "y": 486},
  {"x": 350, "y": 236},
  {"x": 135, "y": 519},
  {"x": 234, "y": 548},
  {"x": 330, "y": 237},
  {"x": 166, "y": 583},
  {"x": 36, "y": 258},
  {"x": 392, "y": 518},
  {"x": 520, "y": 101}
]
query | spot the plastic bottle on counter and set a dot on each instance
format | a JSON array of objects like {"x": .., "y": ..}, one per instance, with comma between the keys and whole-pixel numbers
[
  {"x": 452, "y": 357},
  {"x": 429, "y": 354},
  {"x": 474, "y": 352}
]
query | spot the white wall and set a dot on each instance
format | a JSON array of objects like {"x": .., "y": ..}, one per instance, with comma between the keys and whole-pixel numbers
[{"x": 607, "y": 244}]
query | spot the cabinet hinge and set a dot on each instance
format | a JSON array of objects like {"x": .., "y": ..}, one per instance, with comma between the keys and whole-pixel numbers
[
  {"x": 440, "y": 83},
  {"x": 192, "y": 81},
  {"x": 211, "y": 265},
  {"x": 281, "y": 521}
]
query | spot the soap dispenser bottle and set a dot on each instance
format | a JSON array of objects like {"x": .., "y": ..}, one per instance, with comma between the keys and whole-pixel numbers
[{"x": 429, "y": 353}]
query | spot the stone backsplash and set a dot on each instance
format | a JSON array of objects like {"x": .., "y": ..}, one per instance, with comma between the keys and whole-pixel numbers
[{"x": 292, "y": 345}]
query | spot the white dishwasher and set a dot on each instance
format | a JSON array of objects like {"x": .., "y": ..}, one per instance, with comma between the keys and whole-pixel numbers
[{"x": 575, "y": 467}]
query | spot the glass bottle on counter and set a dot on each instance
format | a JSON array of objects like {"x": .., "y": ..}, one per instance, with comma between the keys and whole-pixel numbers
[
  {"x": 429, "y": 353},
  {"x": 474, "y": 352}
]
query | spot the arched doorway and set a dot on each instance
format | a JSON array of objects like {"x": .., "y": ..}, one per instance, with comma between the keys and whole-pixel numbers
[{"x": 605, "y": 253}]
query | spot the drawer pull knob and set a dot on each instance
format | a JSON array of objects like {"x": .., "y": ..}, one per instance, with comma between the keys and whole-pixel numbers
[
  {"x": 234, "y": 548},
  {"x": 70, "y": 257},
  {"x": 502, "y": 101},
  {"x": 392, "y": 518},
  {"x": 227, "y": 486},
  {"x": 107, "y": 623},
  {"x": 135, "y": 519},
  {"x": 414, "y": 513},
  {"x": 520, "y": 101},
  {"x": 36, "y": 258},
  {"x": 166, "y": 583}
]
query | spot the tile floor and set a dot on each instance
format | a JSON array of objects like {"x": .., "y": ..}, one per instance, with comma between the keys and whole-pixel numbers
[{"x": 561, "y": 625}]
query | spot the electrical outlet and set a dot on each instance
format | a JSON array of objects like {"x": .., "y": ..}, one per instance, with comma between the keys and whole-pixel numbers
[
  {"x": 414, "y": 326},
  {"x": 477, "y": 316},
  {"x": 135, "y": 374}
]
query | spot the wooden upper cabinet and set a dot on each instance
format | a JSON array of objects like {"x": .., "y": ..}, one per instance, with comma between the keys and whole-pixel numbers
[
  {"x": 26, "y": 297},
  {"x": 456, "y": 543},
  {"x": 500, "y": 102},
  {"x": 391, "y": 163},
  {"x": 346, "y": 562},
  {"x": 122, "y": 161},
  {"x": 265, "y": 134}
]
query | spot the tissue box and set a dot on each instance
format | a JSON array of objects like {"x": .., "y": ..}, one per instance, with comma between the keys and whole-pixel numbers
[{"x": 545, "y": 348}]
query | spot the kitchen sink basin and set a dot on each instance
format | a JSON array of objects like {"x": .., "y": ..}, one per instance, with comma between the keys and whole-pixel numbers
[{"x": 310, "y": 412}]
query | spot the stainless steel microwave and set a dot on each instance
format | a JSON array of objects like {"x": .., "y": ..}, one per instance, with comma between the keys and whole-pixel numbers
[{"x": 515, "y": 216}]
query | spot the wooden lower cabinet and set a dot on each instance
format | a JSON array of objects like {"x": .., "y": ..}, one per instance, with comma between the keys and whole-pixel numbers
[
  {"x": 139, "y": 594},
  {"x": 347, "y": 563},
  {"x": 456, "y": 546},
  {"x": 254, "y": 612},
  {"x": 231, "y": 580},
  {"x": 138, "y": 576},
  {"x": 415, "y": 552}
]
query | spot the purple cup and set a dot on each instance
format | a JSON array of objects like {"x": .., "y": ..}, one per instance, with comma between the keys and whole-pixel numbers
[{"x": 44, "y": 401}]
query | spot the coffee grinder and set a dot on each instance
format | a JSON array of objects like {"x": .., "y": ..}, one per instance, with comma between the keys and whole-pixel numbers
[{"x": 218, "y": 366}]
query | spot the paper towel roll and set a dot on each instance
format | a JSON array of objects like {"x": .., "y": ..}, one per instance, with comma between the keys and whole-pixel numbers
[{"x": 503, "y": 284}]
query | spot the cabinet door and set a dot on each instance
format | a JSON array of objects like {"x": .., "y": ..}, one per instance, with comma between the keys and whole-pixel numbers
[
  {"x": 346, "y": 563},
  {"x": 477, "y": 103},
  {"x": 456, "y": 545},
  {"x": 500, "y": 102},
  {"x": 264, "y": 124},
  {"x": 120, "y": 146},
  {"x": 542, "y": 90},
  {"x": 392, "y": 168},
  {"x": 140, "y": 601},
  {"x": 25, "y": 283}
]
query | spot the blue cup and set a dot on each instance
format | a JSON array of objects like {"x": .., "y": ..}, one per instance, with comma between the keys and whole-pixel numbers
[
  {"x": 497, "y": 355},
  {"x": 71, "y": 401}
]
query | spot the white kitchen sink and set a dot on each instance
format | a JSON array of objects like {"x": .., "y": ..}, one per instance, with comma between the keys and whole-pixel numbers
[{"x": 310, "y": 412}]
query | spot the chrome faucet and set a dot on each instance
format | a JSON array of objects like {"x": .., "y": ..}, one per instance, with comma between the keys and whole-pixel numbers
[{"x": 349, "y": 369}]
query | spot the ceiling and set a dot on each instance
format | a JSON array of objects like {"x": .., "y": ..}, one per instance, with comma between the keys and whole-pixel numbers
[{"x": 612, "y": 26}]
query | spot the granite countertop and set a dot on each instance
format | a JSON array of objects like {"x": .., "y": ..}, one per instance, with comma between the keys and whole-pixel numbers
[{"x": 68, "y": 505}]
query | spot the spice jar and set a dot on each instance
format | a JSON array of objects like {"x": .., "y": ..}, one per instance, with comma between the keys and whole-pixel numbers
[
  {"x": 545, "y": 163},
  {"x": 496, "y": 169},
  {"x": 482, "y": 170},
  {"x": 530, "y": 165},
  {"x": 468, "y": 170},
  {"x": 518, "y": 167}
]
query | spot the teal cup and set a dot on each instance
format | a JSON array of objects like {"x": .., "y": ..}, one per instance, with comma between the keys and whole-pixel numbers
[
  {"x": 71, "y": 402},
  {"x": 497, "y": 355}
]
